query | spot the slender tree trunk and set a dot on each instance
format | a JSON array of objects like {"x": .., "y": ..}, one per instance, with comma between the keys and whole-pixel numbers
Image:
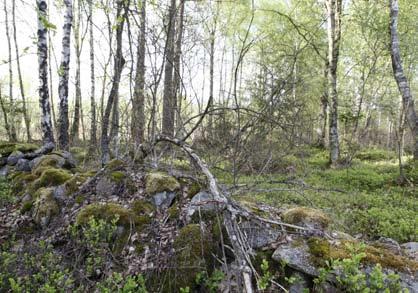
[
  {"x": 5, "y": 116},
  {"x": 50, "y": 51},
  {"x": 177, "y": 70},
  {"x": 118, "y": 63},
  {"x": 63, "y": 123},
  {"x": 324, "y": 111},
  {"x": 334, "y": 35},
  {"x": 19, "y": 73},
  {"x": 168, "y": 95},
  {"x": 211, "y": 74},
  {"x": 93, "y": 126},
  {"x": 75, "y": 128},
  {"x": 401, "y": 80},
  {"x": 138, "y": 113},
  {"x": 46, "y": 124},
  {"x": 12, "y": 133}
]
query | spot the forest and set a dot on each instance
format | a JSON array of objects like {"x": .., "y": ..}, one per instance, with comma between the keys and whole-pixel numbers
[{"x": 209, "y": 146}]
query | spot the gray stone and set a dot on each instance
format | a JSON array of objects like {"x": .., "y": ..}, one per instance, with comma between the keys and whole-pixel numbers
[
  {"x": 23, "y": 165},
  {"x": 258, "y": 236},
  {"x": 205, "y": 202},
  {"x": 389, "y": 244},
  {"x": 59, "y": 193},
  {"x": 26, "y": 198},
  {"x": 105, "y": 187},
  {"x": 14, "y": 158},
  {"x": 4, "y": 171},
  {"x": 410, "y": 249},
  {"x": 296, "y": 256},
  {"x": 163, "y": 199}
]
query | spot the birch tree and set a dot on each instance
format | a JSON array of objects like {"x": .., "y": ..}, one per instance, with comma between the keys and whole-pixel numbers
[
  {"x": 42, "y": 44},
  {"x": 400, "y": 77},
  {"x": 93, "y": 126},
  {"x": 26, "y": 116},
  {"x": 334, "y": 8},
  {"x": 63, "y": 123},
  {"x": 12, "y": 131}
]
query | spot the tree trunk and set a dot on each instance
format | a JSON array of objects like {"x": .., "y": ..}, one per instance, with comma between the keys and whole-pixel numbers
[
  {"x": 63, "y": 139},
  {"x": 324, "y": 111},
  {"x": 93, "y": 126},
  {"x": 177, "y": 59},
  {"x": 46, "y": 125},
  {"x": 118, "y": 63},
  {"x": 12, "y": 132},
  {"x": 138, "y": 113},
  {"x": 334, "y": 35},
  {"x": 401, "y": 80},
  {"x": 19, "y": 72},
  {"x": 75, "y": 128},
  {"x": 168, "y": 95}
]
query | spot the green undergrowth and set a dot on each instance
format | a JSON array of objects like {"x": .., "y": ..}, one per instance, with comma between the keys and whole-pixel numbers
[{"x": 364, "y": 198}]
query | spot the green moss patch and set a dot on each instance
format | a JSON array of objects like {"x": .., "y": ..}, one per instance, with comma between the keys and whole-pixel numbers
[
  {"x": 159, "y": 182},
  {"x": 117, "y": 176},
  {"x": 6, "y": 148},
  {"x": 52, "y": 177},
  {"x": 107, "y": 212},
  {"x": 115, "y": 165},
  {"x": 45, "y": 206},
  {"x": 307, "y": 217},
  {"x": 323, "y": 250}
]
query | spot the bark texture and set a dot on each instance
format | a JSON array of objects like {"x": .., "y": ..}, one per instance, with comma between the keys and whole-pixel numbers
[
  {"x": 63, "y": 123},
  {"x": 334, "y": 8},
  {"x": 138, "y": 113},
  {"x": 401, "y": 80},
  {"x": 169, "y": 95},
  {"x": 75, "y": 128},
  {"x": 93, "y": 126},
  {"x": 118, "y": 63},
  {"x": 46, "y": 124},
  {"x": 26, "y": 116},
  {"x": 12, "y": 128}
]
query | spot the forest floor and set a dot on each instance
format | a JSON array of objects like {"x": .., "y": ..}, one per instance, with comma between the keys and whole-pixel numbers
[{"x": 364, "y": 199}]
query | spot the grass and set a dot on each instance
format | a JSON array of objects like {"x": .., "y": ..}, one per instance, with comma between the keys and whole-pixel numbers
[
  {"x": 6, "y": 196},
  {"x": 361, "y": 199}
]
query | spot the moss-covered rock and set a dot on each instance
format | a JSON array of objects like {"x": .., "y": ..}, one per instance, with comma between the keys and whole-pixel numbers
[
  {"x": 45, "y": 162},
  {"x": 45, "y": 206},
  {"x": 20, "y": 181},
  {"x": 306, "y": 217},
  {"x": 142, "y": 207},
  {"x": 107, "y": 212},
  {"x": 159, "y": 182},
  {"x": 6, "y": 148},
  {"x": 322, "y": 250},
  {"x": 193, "y": 249},
  {"x": 52, "y": 177}
]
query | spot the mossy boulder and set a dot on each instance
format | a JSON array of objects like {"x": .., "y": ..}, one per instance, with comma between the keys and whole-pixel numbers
[
  {"x": 193, "y": 252},
  {"x": 42, "y": 163},
  {"x": 306, "y": 217},
  {"x": 45, "y": 206},
  {"x": 322, "y": 250},
  {"x": 107, "y": 212},
  {"x": 142, "y": 207},
  {"x": 20, "y": 181},
  {"x": 6, "y": 148},
  {"x": 159, "y": 182},
  {"x": 52, "y": 177}
]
